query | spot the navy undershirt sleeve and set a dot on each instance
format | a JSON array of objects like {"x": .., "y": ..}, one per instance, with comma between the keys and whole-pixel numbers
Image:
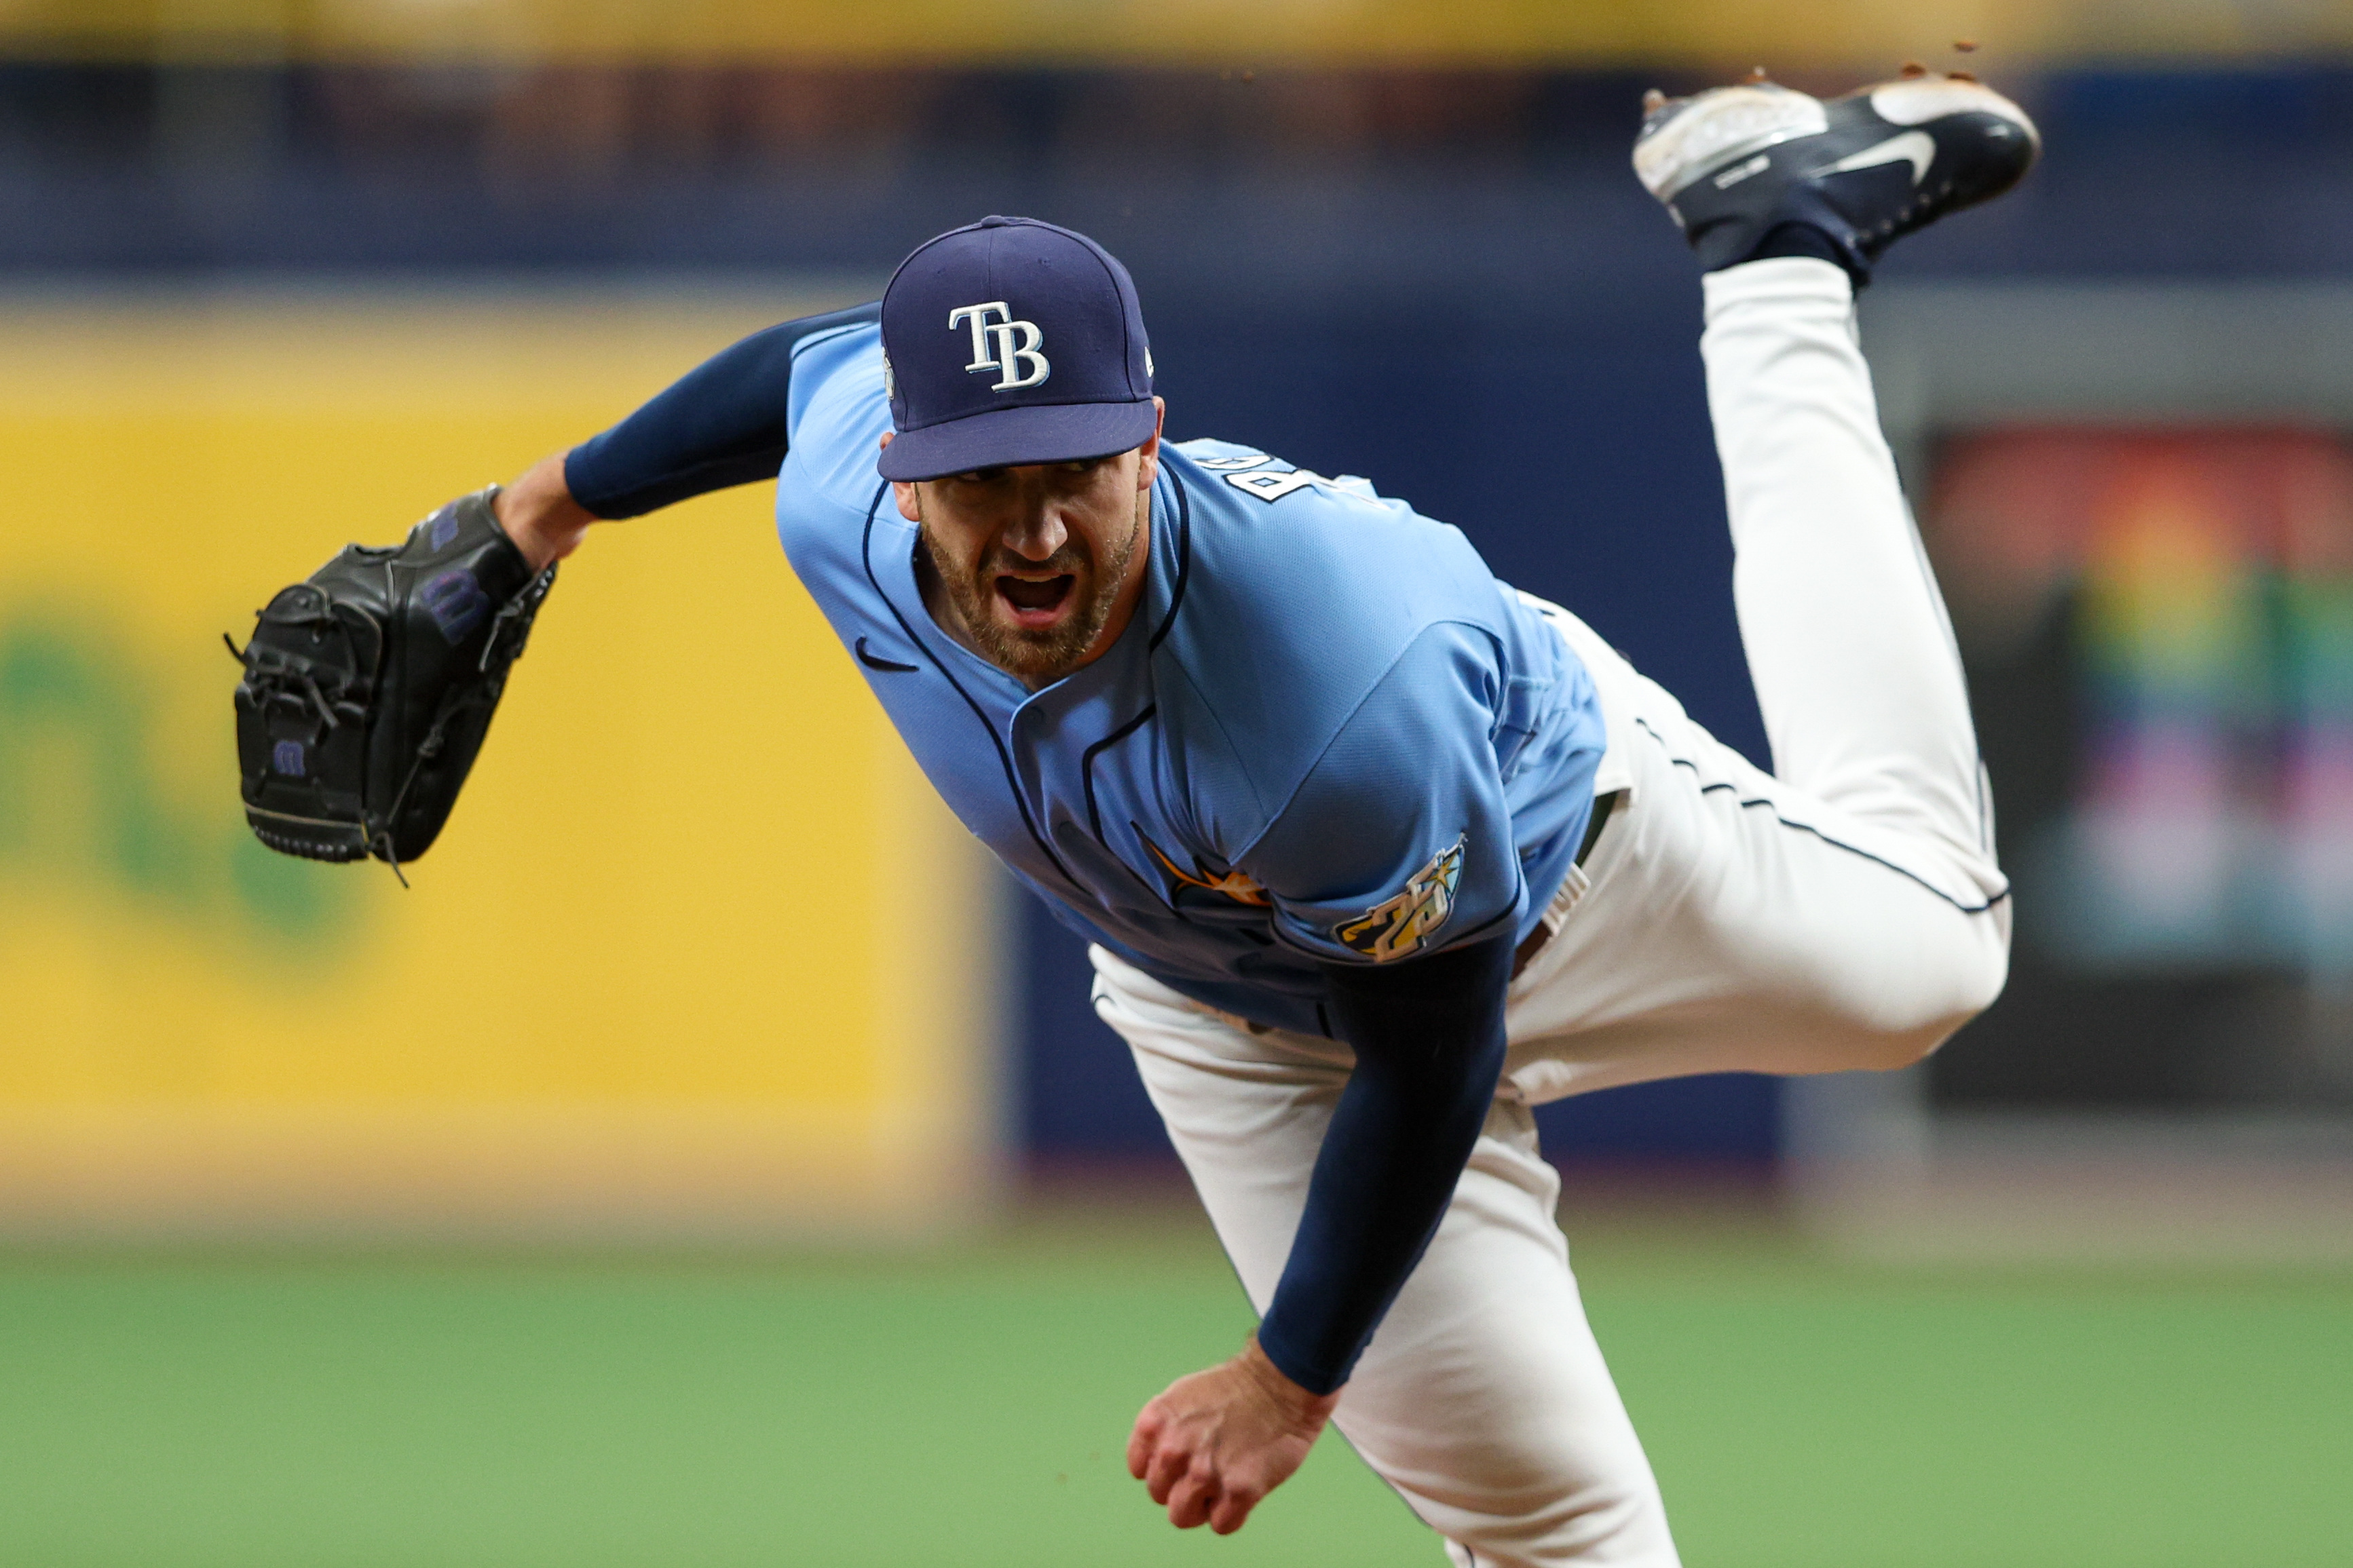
[
  {"x": 1428, "y": 1038},
  {"x": 721, "y": 424}
]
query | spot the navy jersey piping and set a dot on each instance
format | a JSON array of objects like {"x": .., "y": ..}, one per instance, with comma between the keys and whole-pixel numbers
[
  {"x": 1184, "y": 565},
  {"x": 1095, "y": 812},
  {"x": 1087, "y": 765},
  {"x": 1004, "y": 758}
]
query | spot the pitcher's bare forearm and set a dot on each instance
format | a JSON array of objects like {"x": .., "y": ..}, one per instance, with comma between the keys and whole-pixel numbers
[{"x": 539, "y": 514}]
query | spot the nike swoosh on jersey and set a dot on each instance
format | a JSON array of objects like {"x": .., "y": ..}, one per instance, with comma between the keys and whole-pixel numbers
[
  {"x": 1917, "y": 146},
  {"x": 876, "y": 661}
]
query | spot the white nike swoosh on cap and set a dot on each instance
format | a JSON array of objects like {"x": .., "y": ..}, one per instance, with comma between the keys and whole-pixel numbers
[{"x": 1917, "y": 146}]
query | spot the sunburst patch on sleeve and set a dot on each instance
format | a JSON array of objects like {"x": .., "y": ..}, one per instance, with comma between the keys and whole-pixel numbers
[{"x": 1235, "y": 884}]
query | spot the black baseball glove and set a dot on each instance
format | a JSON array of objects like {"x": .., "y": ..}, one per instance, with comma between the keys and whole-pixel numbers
[{"x": 369, "y": 686}]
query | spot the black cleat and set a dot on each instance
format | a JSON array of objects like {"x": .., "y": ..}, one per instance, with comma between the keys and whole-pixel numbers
[{"x": 1733, "y": 163}]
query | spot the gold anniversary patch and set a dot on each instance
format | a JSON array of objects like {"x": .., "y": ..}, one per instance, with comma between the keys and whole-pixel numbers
[{"x": 1396, "y": 927}]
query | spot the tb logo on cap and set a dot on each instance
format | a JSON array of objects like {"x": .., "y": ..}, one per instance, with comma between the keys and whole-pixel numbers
[{"x": 994, "y": 346}]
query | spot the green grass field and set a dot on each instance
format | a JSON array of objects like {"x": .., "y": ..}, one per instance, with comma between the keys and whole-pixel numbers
[{"x": 969, "y": 1408}]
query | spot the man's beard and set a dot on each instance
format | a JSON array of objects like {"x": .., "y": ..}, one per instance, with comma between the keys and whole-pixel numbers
[{"x": 1035, "y": 657}]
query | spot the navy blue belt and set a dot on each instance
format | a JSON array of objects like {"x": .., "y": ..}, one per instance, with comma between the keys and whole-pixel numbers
[{"x": 1532, "y": 943}]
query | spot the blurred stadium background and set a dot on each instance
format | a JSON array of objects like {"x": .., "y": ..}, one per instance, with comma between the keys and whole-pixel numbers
[{"x": 711, "y": 1161}]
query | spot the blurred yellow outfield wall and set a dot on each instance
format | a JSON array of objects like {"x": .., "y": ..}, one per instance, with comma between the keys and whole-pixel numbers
[
  {"x": 1792, "y": 33},
  {"x": 698, "y": 952}
]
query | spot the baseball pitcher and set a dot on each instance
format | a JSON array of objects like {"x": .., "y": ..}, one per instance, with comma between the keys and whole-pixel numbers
[{"x": 1375, "y": 853}]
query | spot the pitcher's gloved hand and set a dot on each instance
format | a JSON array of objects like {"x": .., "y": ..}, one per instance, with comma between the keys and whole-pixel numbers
[{"x": 368, "y": 686}]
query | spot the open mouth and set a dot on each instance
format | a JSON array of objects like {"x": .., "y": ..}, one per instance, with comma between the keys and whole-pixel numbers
[{"x": 1035, "y": 602}]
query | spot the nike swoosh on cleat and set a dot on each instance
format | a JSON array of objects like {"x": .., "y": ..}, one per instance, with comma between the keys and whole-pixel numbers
[{"x": 1917, "y": 146}]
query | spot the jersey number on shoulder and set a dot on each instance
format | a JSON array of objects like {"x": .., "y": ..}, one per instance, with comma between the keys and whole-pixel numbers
[
  {"x": 1268, "y": 484},
  {"x": 1271, "y": 486}
]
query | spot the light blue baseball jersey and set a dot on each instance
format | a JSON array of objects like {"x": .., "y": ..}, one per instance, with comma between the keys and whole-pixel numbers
[{"x": 1328, "y": 733}]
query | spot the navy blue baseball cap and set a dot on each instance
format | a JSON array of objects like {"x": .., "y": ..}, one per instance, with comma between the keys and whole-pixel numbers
[{"x": 1011, "y": 340}]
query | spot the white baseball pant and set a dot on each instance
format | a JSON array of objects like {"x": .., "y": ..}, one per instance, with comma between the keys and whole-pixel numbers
[{"x": 1843, "y": 911}]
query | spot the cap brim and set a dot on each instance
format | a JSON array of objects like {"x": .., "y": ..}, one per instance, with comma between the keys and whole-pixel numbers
[{"x": 1001, "y": 437}]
